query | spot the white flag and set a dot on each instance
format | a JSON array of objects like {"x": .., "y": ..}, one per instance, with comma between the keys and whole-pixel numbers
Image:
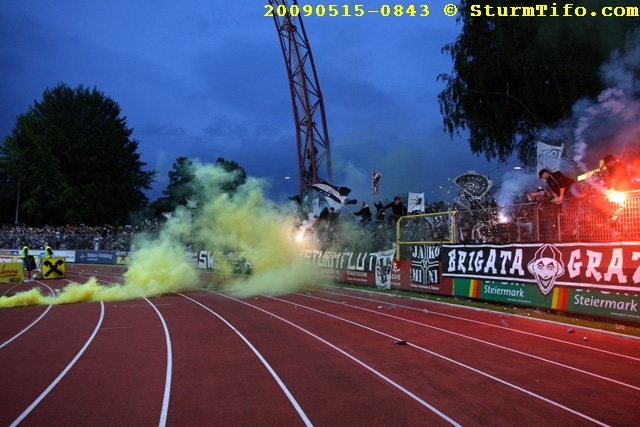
[
  {"x": 549, "y": 156},
  {"x": 416, "y": 202}
]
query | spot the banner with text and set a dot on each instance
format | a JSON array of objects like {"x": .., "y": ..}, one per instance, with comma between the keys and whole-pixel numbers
[
  {"x": 598, "y": 266},
  {"x": 96, "y": 257},
  {"x": 616, "y": 305},
  {"x": 364, "y": 268},
  {"x": 11, "y": 272}
]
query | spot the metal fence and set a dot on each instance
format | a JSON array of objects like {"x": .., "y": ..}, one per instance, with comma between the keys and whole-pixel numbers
[
  {"x": 599, "y": 218},
  {"x": 592, "y": 219},
  {"x": 433, "y": 228}
]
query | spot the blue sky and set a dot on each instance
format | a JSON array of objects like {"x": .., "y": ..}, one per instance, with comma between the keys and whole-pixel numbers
[{"x": 206, "y": 79}]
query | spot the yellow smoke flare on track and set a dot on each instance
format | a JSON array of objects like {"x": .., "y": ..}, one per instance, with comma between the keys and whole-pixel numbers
[
  {"x": 243, "y": 222},
  {"x": 155, "y": 270}
]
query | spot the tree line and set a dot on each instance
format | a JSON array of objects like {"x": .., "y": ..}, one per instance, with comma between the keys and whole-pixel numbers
[{"x": 70, "y": 159}]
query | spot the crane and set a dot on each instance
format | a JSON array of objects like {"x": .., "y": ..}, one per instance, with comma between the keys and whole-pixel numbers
[{"x": 312, "y": 138}]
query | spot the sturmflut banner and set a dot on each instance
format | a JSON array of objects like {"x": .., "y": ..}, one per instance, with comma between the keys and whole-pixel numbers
[{"x": 367, "y": 268}]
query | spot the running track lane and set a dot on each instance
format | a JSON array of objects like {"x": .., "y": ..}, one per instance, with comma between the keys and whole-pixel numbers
[
  {"x": 578, "y": 388},
  {"x": 331, "y": 388},
  {"x": 218, "y": 380},
  {"x": 463, "y": 394},
  {"x": 330, "y": 391},
  {"x": 35, "y": 359},
  {"x": 120, "y": 378},
  {"x": 516, "y": 372},
  {"x": 616, "y": 355}
]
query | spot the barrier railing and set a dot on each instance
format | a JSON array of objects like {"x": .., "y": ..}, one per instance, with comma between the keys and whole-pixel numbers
[
  {"x": 593, "y": 219},
  {"x": 433, "y": 228}
]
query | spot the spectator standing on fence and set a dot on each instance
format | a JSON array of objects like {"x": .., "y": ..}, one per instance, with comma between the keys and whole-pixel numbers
[
  {"x": 333, "y": 218},
  {"x": 397, "y": 210},
  {"x": 367, "y": 217},
  {"x": 364, "y": 213},
  {"x": 324, "y": 214},
  {"x": 617, "y": 176},
  {"x": 561, "y": 186}
]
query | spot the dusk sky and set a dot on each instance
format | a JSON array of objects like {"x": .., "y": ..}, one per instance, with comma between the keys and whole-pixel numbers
[{"x": 207, "y": 79}]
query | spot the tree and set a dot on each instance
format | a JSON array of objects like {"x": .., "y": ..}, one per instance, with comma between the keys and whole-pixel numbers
[
  {"x": 179, "y": 189},
  {"x": 236, "y": 172},
  {"x": 184, "y": 187},
  {"x": 513, "y": 76},
  {"x": 73, "y": 160}
]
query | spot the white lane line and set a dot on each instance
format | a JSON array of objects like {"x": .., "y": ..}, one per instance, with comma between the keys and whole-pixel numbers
[
  {"x": 359, "y": 362},
  {"x": 35, "y": 321},
  {"x": 500, "y": 327},
  {"x": 27, "y": 328},
  {"x": 501, "y": 347},
  {"x": 167, "y": 381},
  {"x": 63, "y": 373},
  {"x": 275, "y": 376},
  {"x": 537, "y": 396}
]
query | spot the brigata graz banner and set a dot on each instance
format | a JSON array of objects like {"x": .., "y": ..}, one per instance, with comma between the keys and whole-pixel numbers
[{"x": 602, "y": 266}]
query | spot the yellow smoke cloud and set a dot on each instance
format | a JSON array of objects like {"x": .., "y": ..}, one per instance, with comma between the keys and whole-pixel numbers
[{"x": 244, "y": 223}]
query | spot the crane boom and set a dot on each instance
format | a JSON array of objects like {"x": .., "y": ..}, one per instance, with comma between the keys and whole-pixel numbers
[{"x": 312, "y": 138}]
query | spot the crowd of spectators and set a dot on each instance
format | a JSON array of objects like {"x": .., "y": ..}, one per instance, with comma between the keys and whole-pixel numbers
[
  {"x": 73, "y": 237},
  {"x": 323, "y": 231},
  {"x": 370, "y": 228}
]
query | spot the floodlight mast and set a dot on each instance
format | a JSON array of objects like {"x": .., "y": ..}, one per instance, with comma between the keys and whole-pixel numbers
[{"x": 312, "y": 138}]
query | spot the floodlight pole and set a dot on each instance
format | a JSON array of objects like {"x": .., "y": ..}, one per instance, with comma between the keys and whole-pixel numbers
[{"x": 18, "y": 202}]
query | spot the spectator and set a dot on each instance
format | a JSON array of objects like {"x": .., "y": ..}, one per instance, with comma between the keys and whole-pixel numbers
[
  {"x": 364, "y": 213},
  {"x": 28, "y": 262},
  {"x": 333, "y": 226},
  {"x": 324, "y": 214},
  {"x": 25, "y": 255},
  {"x": 397, "y": 210},
  {"x": 616, "y": 177},
  {"x": 561, "y": 186},
  {"x": 333, "y": 218}
]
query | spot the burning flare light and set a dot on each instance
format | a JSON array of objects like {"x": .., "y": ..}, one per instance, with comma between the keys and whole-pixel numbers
[{"x": 616, "y": 197}]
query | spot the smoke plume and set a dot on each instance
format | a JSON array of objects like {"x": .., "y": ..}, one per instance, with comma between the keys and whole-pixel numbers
[
  {"x": 242, "y": 222},
  {"x": 609, "y": 124}
]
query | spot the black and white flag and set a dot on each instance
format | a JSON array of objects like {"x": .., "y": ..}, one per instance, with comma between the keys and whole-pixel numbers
[{"x": 375, "y": 182}]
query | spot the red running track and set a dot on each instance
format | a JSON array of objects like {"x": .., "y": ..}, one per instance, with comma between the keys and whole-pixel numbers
[{"x": 324, "y": 356}]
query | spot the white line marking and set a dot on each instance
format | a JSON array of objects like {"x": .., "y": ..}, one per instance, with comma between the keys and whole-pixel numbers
[
  {"x": 34, "y": 322},
  {"x": 63, "y": 373},
  {"x": 448, "y": 359},
  {"x": 620, "y": 383},
  {"x": 167, "y": 381},
  {"x": 501, "y": 327},
  {"x": 275, "y": 376},
  {"x": 27, "y": 328},
  {"x": 359, "y": 362}
]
